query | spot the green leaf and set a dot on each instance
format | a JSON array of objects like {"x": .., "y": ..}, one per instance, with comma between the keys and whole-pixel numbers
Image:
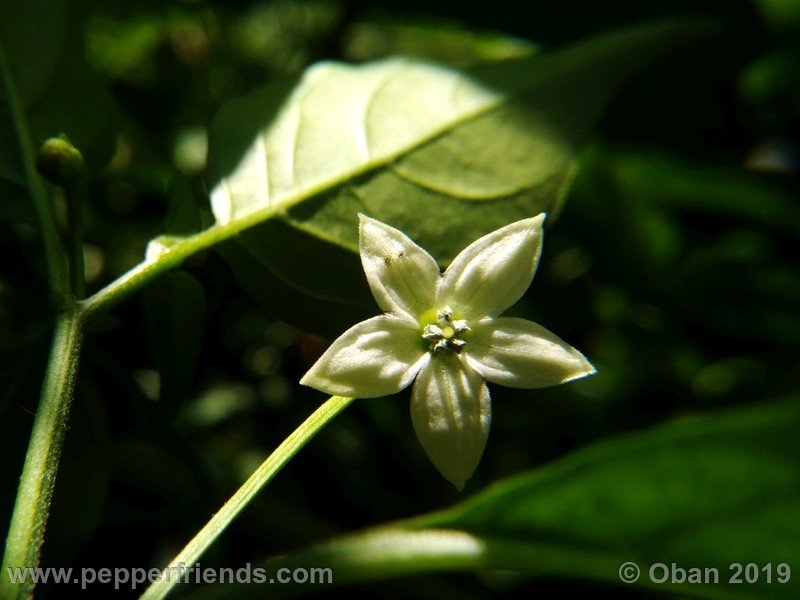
[
  {"x": 284, "y": 300},
  {"x": 705, "y": 491},
  {"x": 444, "y": 155}
]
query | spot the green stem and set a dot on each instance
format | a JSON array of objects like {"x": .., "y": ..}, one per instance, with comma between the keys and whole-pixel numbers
[
  {"x": 26, "y": 531},
  {"x": 242, "y": 497},
  {"x": 140, "y": 275},
  {"x": 177, "y": 250},
  {"x": 53, "y": 246}
]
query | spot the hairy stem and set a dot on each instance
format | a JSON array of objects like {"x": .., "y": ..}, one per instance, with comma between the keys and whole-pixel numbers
[
  {"x": 242, "y": 497},
  {"x": 35, "y": 492},
  {"x": 145, "y": 272}
]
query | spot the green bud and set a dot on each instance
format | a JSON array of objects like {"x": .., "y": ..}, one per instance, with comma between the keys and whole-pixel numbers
[{"x": 59, "y": 161}]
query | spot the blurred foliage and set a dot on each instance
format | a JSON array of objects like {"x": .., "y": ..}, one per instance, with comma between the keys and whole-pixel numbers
[{"x": 673, "y": 266}]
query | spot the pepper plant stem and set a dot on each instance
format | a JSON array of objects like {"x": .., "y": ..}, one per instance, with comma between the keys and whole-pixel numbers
[{"x": 35, "y": 492}]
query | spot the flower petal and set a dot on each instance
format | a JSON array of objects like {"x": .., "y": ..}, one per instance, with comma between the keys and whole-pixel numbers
[
  {"x": 493, "y": 272},
  {"x": 376, "y": 357},
  {"x": 520, "y": 353},
  {"x": 402, "y": 275},
  {"x": 451, "y": 413}
]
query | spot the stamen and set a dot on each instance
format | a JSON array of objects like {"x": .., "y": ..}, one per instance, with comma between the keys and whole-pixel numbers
[
  {"x": 439, "y": 346},
  {"x": 432, "y": 332},
  {"x": 460, "y": 326},
  {"x": 456, "y": 345},
  {"x": 444, "y": 336}
]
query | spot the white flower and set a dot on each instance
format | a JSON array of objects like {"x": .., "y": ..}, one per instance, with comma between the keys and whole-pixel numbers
[{"x": 445, "y": 331}]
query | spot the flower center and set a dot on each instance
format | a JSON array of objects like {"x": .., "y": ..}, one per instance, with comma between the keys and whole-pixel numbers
[{"x": 445, "y": 333}]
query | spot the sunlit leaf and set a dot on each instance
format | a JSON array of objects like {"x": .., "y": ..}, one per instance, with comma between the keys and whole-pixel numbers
[{"x": 445, "y": 155}]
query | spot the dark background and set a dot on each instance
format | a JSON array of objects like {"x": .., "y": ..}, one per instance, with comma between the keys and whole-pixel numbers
[{"x": 672, "y": 267}]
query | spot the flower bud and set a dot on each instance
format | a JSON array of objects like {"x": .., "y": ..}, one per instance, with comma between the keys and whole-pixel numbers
[{"x": 59, "y": 161}]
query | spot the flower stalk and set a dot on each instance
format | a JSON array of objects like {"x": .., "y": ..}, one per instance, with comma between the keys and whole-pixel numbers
[
  {"x": 61, "y": 164},
  {"x": 242, "y": 497}
]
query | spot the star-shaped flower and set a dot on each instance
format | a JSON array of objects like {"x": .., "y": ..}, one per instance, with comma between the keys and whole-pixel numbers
[{"x": 445, "y": 331}]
